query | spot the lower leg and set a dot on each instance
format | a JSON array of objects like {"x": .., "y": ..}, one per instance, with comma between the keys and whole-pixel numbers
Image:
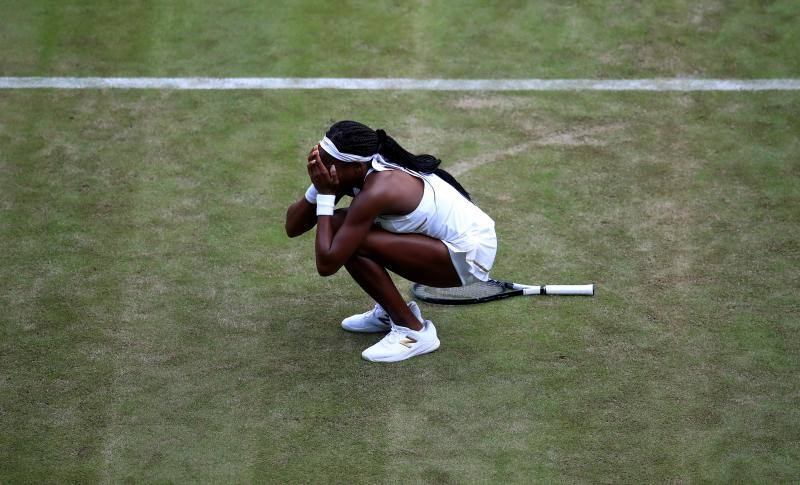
[{"x": 375, "y": 280}]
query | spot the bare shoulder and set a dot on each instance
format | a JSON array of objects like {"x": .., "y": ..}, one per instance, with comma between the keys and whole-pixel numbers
[
  {"x": 395, "y": 191},
  {"x": 383, "y": 182}
]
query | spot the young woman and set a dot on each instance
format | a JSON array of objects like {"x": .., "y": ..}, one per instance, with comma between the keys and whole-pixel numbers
[{"x": 407, "y": 216}]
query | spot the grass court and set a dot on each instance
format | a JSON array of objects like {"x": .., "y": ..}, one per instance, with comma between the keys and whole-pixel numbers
[{"x": 157, "y": 325}]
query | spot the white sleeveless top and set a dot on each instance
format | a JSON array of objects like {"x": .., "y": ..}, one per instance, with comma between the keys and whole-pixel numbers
[{"x": 445, "y": 214}]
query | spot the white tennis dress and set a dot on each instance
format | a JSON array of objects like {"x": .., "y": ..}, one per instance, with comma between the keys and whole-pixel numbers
[{"x": 445, "y": 214}]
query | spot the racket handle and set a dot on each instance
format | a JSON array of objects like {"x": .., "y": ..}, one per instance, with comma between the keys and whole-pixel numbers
[{"x": 559, "y": 290}]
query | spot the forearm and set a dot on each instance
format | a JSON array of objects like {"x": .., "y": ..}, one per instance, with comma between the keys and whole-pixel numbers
[
  {"x": 323, "y": 244},
  {"x": 326, "y": 264},
  {"x": 300, "y": 217}
]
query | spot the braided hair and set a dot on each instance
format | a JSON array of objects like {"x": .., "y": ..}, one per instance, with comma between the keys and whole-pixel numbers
[{"x": 359, "y": 139}]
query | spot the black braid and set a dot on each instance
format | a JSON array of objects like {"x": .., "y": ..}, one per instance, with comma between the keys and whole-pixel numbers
[{"x": 359, "y": 139}]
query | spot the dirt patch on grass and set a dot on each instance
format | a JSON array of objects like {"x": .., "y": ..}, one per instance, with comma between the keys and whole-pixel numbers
[
  {"x": 702, "y": 15},
  {"x": 594, "y": 135},
  {"x": 420, "y": 137},
  {"x": 586, "y": 136},
  {"x": 484, "y": 102}
]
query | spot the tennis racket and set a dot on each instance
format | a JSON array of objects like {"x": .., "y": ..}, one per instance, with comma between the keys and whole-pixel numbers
[{"x": 491, "y": 290}]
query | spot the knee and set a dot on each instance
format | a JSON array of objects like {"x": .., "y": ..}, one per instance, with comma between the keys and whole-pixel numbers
[
  {"x": 365, "y": 251},
  {"x": 369, "y": 247}
]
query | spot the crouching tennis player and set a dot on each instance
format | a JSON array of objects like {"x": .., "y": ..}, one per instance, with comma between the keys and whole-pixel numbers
[{"x": 407, "y": 216}]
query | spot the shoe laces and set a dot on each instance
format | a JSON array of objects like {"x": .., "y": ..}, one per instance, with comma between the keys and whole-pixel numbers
[
  {"x": 372, "y": 313},
  {"x": 396, "y": 334}
]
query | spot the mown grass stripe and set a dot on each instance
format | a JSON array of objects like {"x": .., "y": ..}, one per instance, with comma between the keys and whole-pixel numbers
[{"x": 201, "y": 83}]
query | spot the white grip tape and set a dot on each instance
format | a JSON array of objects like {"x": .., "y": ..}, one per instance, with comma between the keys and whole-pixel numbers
[
  {"x": 325, "y": 204},
  {"x": 569, "y": 289},
  {"x": 311, "y": 194}
]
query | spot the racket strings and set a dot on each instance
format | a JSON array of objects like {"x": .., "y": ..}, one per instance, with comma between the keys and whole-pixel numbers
[{"x": 481, "y": 289}]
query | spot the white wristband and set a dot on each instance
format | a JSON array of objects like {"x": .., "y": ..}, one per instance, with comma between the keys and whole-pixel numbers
[
  {"x": 325, "y": 204},
  {"x": 311, "y": 194}
]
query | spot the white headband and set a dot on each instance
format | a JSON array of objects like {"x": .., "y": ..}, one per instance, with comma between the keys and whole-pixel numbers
[{"x": 331, "y": 149}]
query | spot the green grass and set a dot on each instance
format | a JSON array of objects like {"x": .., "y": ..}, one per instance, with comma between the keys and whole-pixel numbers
[
  {"x": 358, "y": 38},
  {"x": 157, "y": 325}
]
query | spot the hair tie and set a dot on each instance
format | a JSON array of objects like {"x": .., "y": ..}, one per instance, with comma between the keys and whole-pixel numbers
[{"x": 381, "y": 139}]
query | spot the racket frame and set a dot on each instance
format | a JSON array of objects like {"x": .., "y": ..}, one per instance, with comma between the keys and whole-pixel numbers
[{"x": 517, "y": 290}]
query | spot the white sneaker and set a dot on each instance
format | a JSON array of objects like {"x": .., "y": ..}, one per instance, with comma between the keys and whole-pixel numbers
[
  {"x": 375, "y": 320},
  {"x": 402, "y": 343}
]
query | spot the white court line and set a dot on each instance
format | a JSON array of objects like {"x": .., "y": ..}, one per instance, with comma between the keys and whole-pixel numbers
[{"x": 665, "y": 84}]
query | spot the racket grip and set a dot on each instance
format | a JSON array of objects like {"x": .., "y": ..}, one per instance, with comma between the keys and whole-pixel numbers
[
  {"x": 559, "y": 290},
  {"x": 569, "y": 289}
]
